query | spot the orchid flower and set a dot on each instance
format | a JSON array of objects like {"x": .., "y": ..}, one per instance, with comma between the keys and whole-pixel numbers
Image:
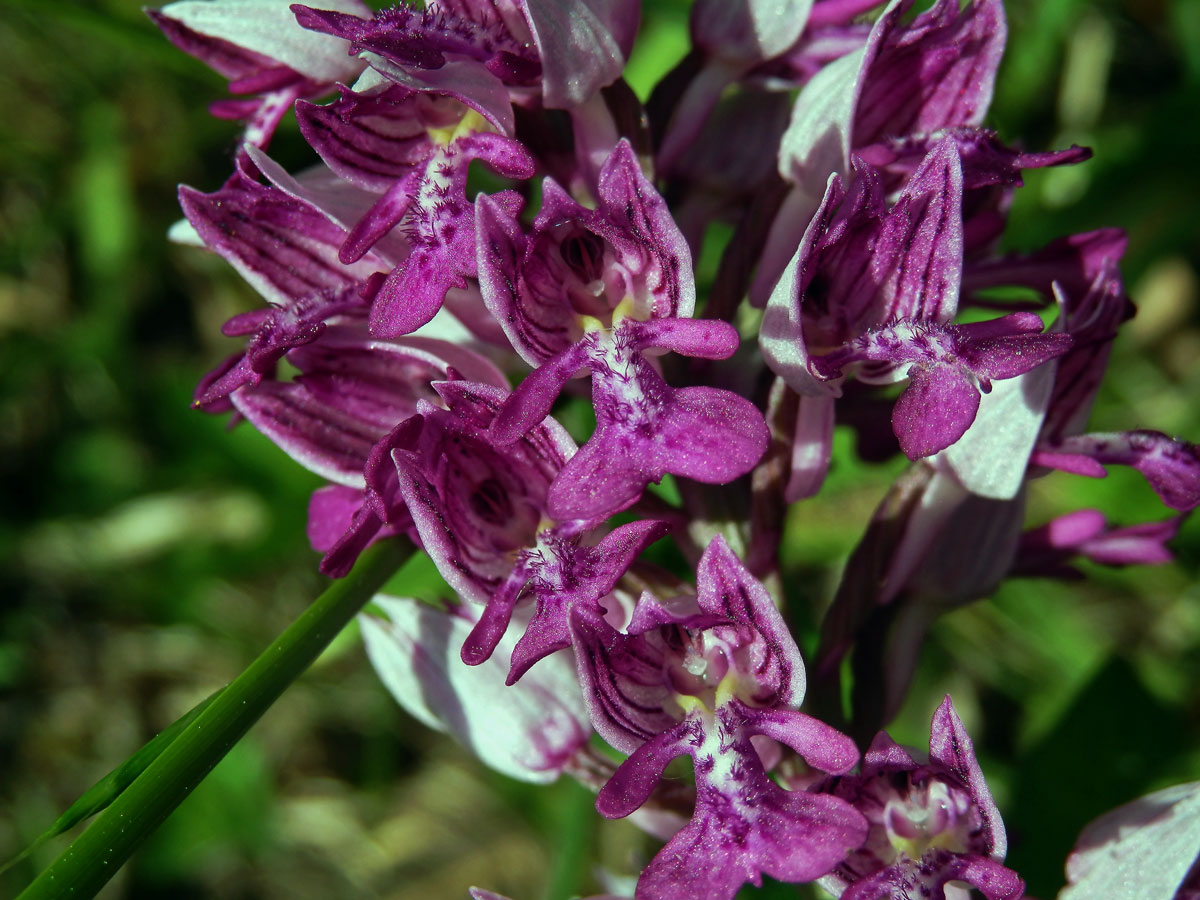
[
  {"x": 593, "y": 291},
  {"x": 931, "y": 822},
  {"x": 702, "y": 676}
]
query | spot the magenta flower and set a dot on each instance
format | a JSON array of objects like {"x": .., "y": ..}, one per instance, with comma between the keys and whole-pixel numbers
[
  {"x": 880, "y": 286},
  {"x": 592, "y": 291},
  {"x": 287, "y": 249},
  {"x": 700, "y": 677},
  {"x": 480, "y": 510},
  {"x": 412, "y": 151},
  {"x": 931, "y": 823}
]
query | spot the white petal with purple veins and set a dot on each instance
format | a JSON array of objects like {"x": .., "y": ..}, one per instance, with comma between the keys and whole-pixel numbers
[
  {"x": 268, "y": 27},
  {"x": 529, "y": 731}
]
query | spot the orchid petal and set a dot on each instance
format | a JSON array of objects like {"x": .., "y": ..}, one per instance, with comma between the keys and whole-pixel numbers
[
  {"x": 1140, "y": 851},
  {"x": 529, "y": 732},
  {"x": 582, "y": 45},
  {"x": 950, "y": 746},
  {"x": 268, "y": 28}
]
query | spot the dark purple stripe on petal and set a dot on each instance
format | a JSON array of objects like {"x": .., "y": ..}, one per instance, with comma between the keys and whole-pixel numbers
[
  {"x": 623, "y": 684},
  {"x": 285, "y": 248},
  {"x": 223, "y": 57},
  {"x": 649, "y": 243},
  {"x": 924, "y": 232},
  {"x": 373, "y": 139},
  {"x": 320, "y": 437},
  {"x": 935, "y": 73},
  {"x": 950, "y": 746},
  {"x": 725, "y": 588}
]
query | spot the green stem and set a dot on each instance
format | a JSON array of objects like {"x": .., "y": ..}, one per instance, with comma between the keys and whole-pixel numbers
[
  {"x": 112, "y": 785},
  {"x": 95, "y": 856}
]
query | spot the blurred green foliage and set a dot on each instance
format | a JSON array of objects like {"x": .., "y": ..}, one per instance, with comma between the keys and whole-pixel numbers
[{"x": 148, "y": 553}]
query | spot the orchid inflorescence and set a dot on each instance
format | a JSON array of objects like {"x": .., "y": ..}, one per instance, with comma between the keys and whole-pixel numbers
[{"x": 407, "y": 291}]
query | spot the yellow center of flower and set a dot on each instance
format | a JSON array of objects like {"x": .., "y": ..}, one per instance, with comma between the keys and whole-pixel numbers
[{"x": 470, "y": 123}]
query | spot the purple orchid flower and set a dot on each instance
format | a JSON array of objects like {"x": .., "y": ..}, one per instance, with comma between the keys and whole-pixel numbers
[
  {"x": 480, "y": 511},
  {"x": 950, "y": 531},
  {"x": 590, "y": 291},
  {"x": 701, "y": 677},
  {"x": 333, "y": 417},
  {"x": 909, "y": 79},
  {"x": 412, "y": 151},
  {"x": 880, "y": 287},
  {"x": 287, "y": 249},
  {"x": 260, "y": 48},
  {"x": 912, "y": 79},
  {"x": 374, "y": 137},
  {"x": 438, "y": 221},
  {"x": 931, "y": 823}
]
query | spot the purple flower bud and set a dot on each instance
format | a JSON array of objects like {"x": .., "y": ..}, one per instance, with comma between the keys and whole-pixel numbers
[
  {"x": 1048, "y": 550},
  {"x": 589, "y": 291},
  {"x": 913, "y": 79}
]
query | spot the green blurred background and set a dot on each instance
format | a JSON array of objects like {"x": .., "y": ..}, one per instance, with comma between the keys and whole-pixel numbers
[{"x": 147, "y": 553}]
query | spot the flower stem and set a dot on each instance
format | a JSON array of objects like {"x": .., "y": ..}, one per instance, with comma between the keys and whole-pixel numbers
[
  {"x": 96, "y": 855},
  {"x": 112, "y": 785}
]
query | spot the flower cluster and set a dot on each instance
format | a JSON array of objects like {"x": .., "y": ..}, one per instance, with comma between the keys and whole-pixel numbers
[{"x": 407, "y": 291}]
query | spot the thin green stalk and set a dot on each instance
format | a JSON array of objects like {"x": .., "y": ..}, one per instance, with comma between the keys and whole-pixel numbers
[
  {"x": 95, "y": 856},
  {"x": 112, "y": 785}
]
